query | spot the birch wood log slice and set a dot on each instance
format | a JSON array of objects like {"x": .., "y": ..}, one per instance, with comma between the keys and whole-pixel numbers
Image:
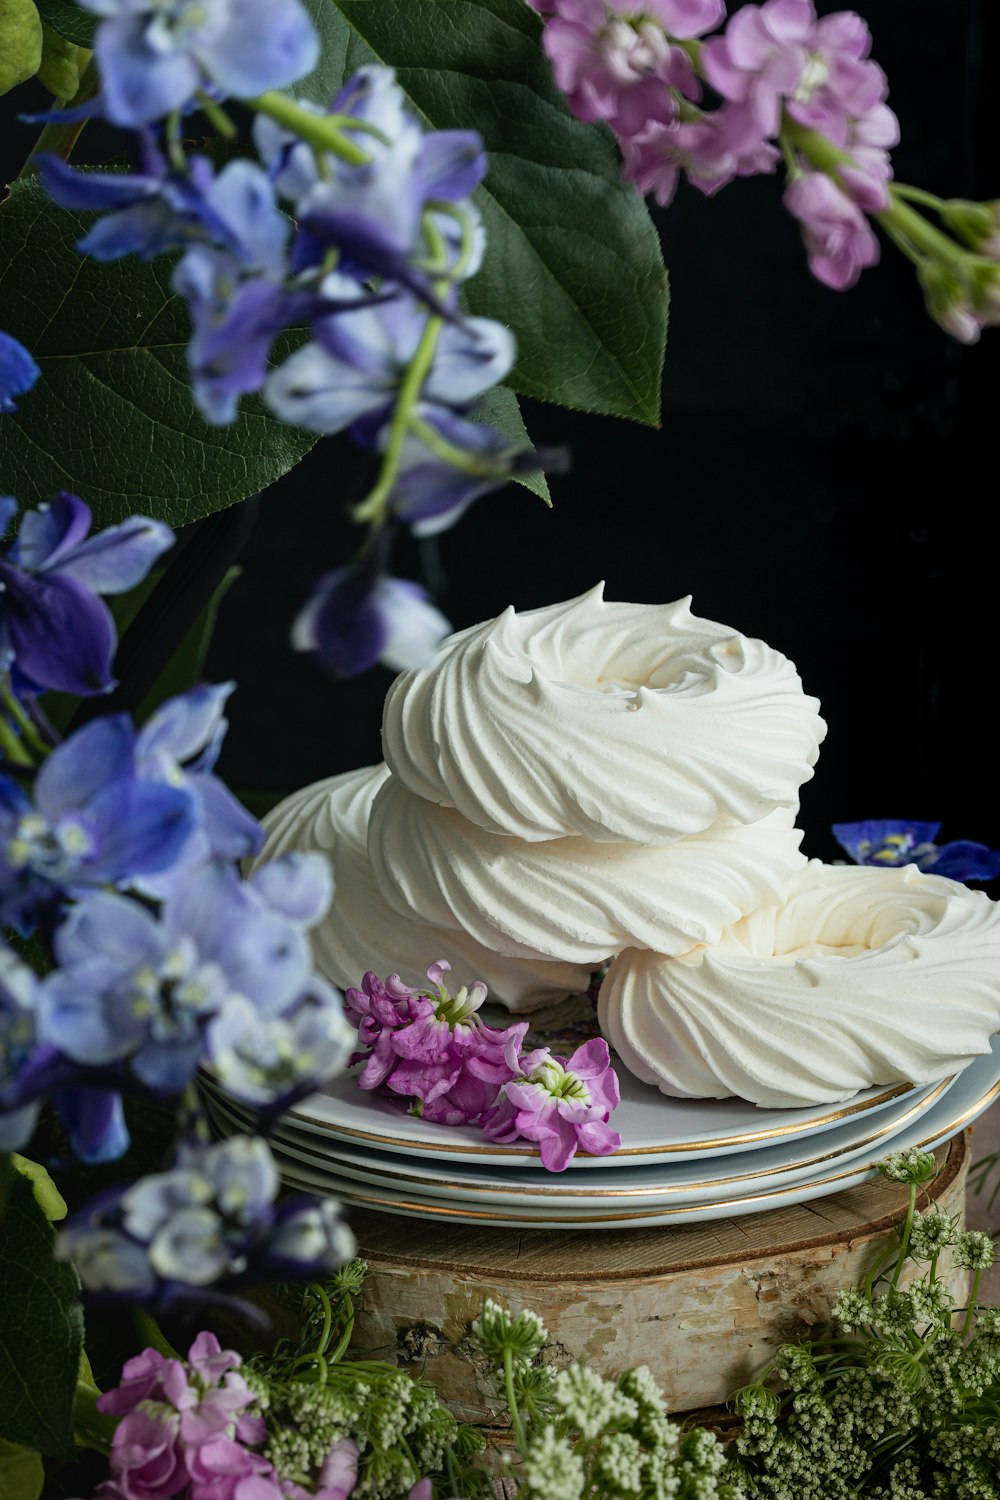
[{"x": 703, "y": 1305}]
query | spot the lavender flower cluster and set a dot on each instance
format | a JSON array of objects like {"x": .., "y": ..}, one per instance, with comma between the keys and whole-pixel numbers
[
  {"x": 434, "y": 1049},
  {"x": 353, "y": 221},
  {"x": 787, "y": 85}
]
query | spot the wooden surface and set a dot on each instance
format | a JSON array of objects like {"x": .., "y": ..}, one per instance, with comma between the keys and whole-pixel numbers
[{"x": 704, "y": 1305}]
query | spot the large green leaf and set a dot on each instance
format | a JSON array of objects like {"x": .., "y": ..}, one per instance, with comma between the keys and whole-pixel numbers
[
  {"x": 573, "y": 263},
  {"x": 112, "y": 417},
  {"x": 21, "y": 1474},
  {"x": 41, "y": 1328},
  {"x": 69, "y": 20},
  {"x": 500, "y": 409}
]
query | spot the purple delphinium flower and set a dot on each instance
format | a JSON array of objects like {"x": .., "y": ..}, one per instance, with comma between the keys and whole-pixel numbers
[
  {"x": 433, "y": 1048},
  {"x": 270, "y": 1062},
  {"x": 137, "y": 989},
  {"x": 92, "y": 822},
  {"x": 838, "y": 238},
  {"x": 889, "y": 842},
  {"x": 359, "y": 615},
  {"x": 212, "y": 1220},
  {"x": 53, "y": 625},
  {"x": 18, "y": 371},
  {"x": 562, "y": 1103},
  {"x": 154, "y": 57},
  {"x": 182, "y": 1424}
]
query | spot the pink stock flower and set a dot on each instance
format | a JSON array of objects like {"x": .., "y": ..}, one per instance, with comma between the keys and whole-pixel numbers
[
  {"x": 562, "y": 1103},
  {"x": 711, "y": 150},
  {"x": 184, "y": 1427},
  {"x": 762, "y": 57},
  {"x": 433, "y": 1048},
  {"x": 838, "y": 238},
  {"x": 617, "y": 62}
]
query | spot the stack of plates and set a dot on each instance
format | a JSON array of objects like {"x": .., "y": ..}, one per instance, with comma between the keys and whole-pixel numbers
[{"x": 680, "y": 1161}]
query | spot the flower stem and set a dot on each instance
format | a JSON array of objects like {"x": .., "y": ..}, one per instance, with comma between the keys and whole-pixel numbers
[
  {"x": 373, "y": 507},
  {"x": 149, "y": 1329},
  {"x": 973, "y": 1303},
  {"x": 515, "y": 1415},
  {"x": 318, "y": 131},
  {"x": 59, "y": 138},
  {"x": 904, "y": 1239},
  {"x": 217, "y": 116},
  {"x": 27, "y": 726},
  {"x": 12, "y": 748}
]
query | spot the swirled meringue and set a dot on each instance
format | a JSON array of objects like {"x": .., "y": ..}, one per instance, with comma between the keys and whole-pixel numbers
[
  {"x": 574, "y": 898},
  {"x": 361, "y": 932},
  {"x": 862, "y": 976},
  {"x": 611, "y": 721}
]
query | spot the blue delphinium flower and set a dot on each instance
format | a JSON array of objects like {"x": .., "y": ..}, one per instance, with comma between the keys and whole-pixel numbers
[
  {"x": 372, "y": 213},
  {"x": 154, "y": 55},
  {"x": 211, "y": 1221},
  {"x": 270, "y": 1062},
  {"x": 348, "y": 376},
  {"x": 53, "y": 625},
  {"x": 18, "y": 997},
  {"x": 138, "y": 989},
  {"x": 178, "y": 746},
  {"x": 889, "y": 842},
  {"x": 91, "y": 822},
  {"x": 18, "y": 371},
  {"x": 358, "y": 616}
]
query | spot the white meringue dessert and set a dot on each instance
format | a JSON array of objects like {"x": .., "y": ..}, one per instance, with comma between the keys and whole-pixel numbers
[{"x": 862, "y": 976}]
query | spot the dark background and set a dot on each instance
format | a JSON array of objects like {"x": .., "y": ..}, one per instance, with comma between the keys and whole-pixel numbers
[{"x": 825, "y": 478}]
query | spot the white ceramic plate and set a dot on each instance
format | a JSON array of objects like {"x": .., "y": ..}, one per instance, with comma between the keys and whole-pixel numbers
[
  {"x": 652, "y": 1126},
  {"x": 664, "y": 1182},
  {"x": 972, "y": 1092}
]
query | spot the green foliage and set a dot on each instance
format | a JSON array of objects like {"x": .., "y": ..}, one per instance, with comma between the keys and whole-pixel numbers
[
  {"x": 573, "y": 263},
  {"x": 500, "y": 409},
  {"x": 21, "y": 1473},
  {"x": 59, "y": 71},
  {"x": 41, "y": 1328},
  {"x": 69, "y": 20},
  {"x": 20, "y": 42},
  {"x": 112, "y": 417}
]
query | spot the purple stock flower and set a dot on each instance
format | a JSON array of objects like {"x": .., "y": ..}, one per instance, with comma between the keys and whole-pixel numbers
[
  {"x": 93, "y": 822},
  {"x": 432, "y": 1048},
  {"x": 563, "y": 1103},
  {"x": 133, "y": 988},
  {"x": 712, "y": 150},
  {"x": 359, "y": 615},
  {"x": 898, "y": 842},
  {"x": 838, "y": 238},
  {"x": 212, "y": 1220},
  {"x": 53, "y": 625},
  {"x": 18, "y": 371},
  {"x": 155, "y": 55}
]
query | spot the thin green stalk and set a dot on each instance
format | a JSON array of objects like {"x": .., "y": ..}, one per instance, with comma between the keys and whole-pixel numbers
[
  {"x": 918, "y": 195},
  {"x": 217, "y": 116},
  {"x": 973, "y": 1303},
  {"x": 28, "y": 728},
  {"x": 515, "y": 1415},
  {"x": 343, "y": 1343},
  {"x": 904, "y": 1241},
  {"x": 373, "y": 507},
  {"x": 316, "y": 130},
  {"x": 59, "y": 139},
  {"x": 13, "y": 749}
]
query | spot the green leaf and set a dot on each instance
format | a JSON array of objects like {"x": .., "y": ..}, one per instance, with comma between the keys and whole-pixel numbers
[
  {"x": 48, "y": 1197},
  {"x": 20, "y": 42},
  {"x": 186, "y": 666},
  {"x": 573, "y": 262},
  {"x": 41, "y": 1328},
  {"x": 21, "y": 1472},
  {"x": 112, "y": 417},
  {"x": 500, "y": 409},
  {"x": 69, "y": 20},
  {"x": 59, "y": 71}
]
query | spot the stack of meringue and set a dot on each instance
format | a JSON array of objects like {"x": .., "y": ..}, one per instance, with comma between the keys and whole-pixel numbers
[{"x": 598, "y": 781}]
